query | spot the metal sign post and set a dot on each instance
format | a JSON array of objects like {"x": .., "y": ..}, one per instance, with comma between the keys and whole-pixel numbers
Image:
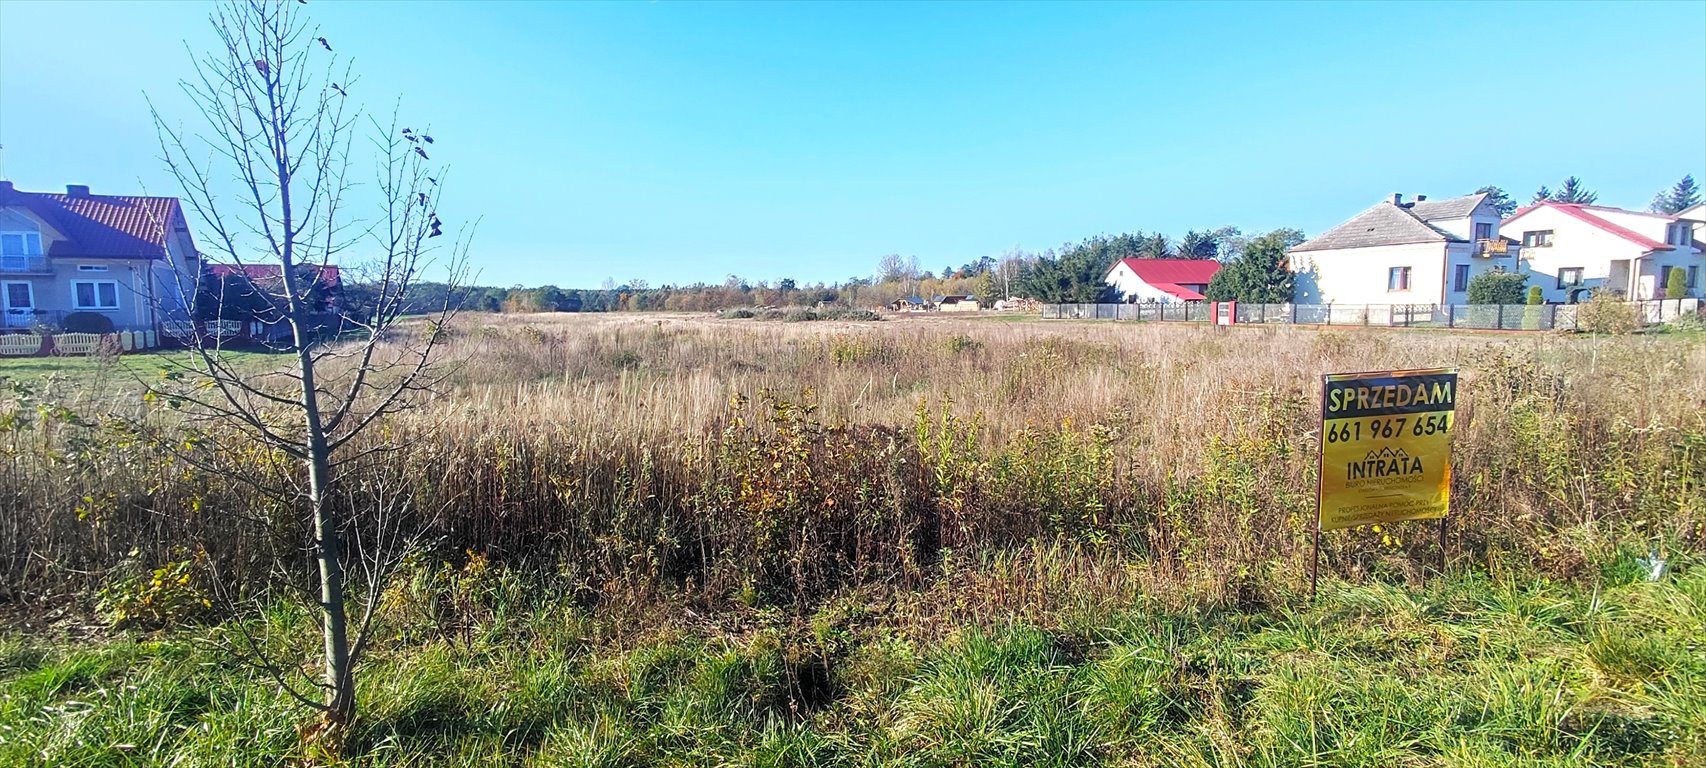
[{"x": 1385, "y": 451}]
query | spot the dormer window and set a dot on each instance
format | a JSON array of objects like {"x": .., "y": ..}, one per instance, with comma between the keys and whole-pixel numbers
[
  {"x": 20, "y": 243},
  {"x": 1680, "y": 233},
  {"x": 1484, "y": 231}
]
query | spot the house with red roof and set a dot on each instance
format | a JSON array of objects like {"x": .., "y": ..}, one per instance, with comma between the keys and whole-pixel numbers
[
  {"x": 129, "y": 258},
  {"x": 1573, "y": 251},
  {"x": 1161, "y": 280},
  {"x": 1401, "y": 251}
]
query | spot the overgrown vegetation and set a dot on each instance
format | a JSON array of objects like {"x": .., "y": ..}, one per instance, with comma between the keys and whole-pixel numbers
[{"x": 701, "y": 542}]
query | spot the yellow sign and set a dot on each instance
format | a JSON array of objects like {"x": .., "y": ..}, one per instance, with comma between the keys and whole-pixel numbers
[{"x": 1386, "y": 446}]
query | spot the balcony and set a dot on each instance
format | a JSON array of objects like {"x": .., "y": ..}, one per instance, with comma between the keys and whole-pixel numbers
[
  {"x": 21, "y": 264},
  {"x": 1491, "y": 248}
]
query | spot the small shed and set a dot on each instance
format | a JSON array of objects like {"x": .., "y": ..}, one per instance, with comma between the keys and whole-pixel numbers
[{"x": 957, "y": 303}]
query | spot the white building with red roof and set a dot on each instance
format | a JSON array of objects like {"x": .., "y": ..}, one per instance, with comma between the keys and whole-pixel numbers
[
  {"x": 1162, "y": 280},
  {"x": 1573, "y": 251},
  {"x": 128, "y": 258}
]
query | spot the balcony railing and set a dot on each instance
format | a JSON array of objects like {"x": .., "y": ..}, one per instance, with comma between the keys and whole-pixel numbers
[
  {"x": 1491, "y": 248},
  {"x": 22, "y": 263}
]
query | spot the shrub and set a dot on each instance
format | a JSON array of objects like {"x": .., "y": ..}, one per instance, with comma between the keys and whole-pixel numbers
[
  {"x": 1676, "y": 283},
  {"x": 843, "y": 313},
  {"x": 798, "y": 315},
  {"x": 960, "y": 342},
  {"x": 1535, "y": 297},
  {"x": 736, "y": 314},
  {"x": 1497, "y": 288},
  {"x": 88, "y": 322},
  {"x": 1606, "y": 314}
]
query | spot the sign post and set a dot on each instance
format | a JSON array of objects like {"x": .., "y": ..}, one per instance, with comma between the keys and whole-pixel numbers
[{"x": 1385, "y": 451}]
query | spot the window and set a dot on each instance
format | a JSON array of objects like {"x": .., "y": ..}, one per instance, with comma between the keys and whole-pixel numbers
[
  {"x": 1569, "y": 276},
  {"x": 1484, "y": 231},
  {"x": 1460, "y": 277},
  {"x": 1693, "y": 278},
  {"x": 91, "y": 267},
  {"x": 94, "y": 294},
  {"x": 20, "y": 243},
  {"x": 18, "y": 249},
  {"x": 1680, "y": 233},
  {"x": 1398, "y": 279},
  {"x": 1537, "y": 238}
]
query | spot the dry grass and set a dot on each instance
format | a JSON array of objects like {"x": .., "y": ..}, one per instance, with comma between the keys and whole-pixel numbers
[{"x": 732, "y": 460}]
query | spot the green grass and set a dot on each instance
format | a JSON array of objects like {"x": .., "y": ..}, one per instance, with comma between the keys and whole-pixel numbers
[
  {"x": 123, "y": 368},
  {"x": 1466, "y": 672}
]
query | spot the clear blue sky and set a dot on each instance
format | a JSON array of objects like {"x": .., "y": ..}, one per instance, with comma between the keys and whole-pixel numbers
[{"x": 681, "y": 142}]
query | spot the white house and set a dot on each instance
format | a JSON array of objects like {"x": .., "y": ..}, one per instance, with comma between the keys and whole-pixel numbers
[
  {"x": 1572, "y": 251},
  {"x": 1162, "y": 280},
  {"x": 1420, "y": 252}
]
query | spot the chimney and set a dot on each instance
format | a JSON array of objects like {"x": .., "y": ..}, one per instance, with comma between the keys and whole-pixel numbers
[
  {"x": 77, "y": 190},
  {"x": 1421, "y": 198},
  {"x": 1397, "y": 198}
]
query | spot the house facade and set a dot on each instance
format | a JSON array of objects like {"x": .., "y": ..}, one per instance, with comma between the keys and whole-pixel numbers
[
  {"x": 128, "y": 258},
  {"x": 1573, "y": 251},
  {"x": 1161, "y": 280},
  {"x": 1396, "y": 252}
]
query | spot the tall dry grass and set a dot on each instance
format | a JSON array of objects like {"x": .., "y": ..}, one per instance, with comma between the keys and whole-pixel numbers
[{"x": 632, "y": 456}]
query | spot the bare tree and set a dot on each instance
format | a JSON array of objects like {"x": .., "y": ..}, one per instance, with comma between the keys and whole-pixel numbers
[{"x": 277, "y": 177}]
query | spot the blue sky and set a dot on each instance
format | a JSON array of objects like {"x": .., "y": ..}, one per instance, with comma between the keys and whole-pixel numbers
[{"x": 684, "y": 142}]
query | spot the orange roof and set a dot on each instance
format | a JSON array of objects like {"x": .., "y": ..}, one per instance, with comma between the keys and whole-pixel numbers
[{"x": 104, "y": 226}]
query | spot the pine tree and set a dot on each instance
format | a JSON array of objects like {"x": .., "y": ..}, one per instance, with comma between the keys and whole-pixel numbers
[
  {"x": 1684, "y": 195},
  {"x": 1574, "y": 192},
  {"x": 1260, "y": 274},
  {"x": 1501, "y": 201},
  {"x": 1541, "y": 195}
]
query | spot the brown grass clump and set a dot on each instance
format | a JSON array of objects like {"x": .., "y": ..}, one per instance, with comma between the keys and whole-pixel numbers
[{"x": 1016, "y": 467}]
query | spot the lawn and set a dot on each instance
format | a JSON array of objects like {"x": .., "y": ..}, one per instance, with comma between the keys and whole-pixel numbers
[
  {"x": 1468, "y": 671},
  {"x": 144, "y": 366}
]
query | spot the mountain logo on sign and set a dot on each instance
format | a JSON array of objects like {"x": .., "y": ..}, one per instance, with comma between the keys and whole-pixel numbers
[{"x": 1386, "y": 462}]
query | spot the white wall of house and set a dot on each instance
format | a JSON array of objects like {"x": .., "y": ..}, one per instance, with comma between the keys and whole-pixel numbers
[
  {"x": 1134, "y": 289},
  {"x": 1605, "y": 260},
  {"x": 1360, "y": 275}
]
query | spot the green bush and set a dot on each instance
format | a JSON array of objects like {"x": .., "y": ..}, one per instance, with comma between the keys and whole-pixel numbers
[
  {"x": 1676, "y": 283},
  {"x": 1535, "y": 297},
  {"x": 842, "y": 313},
  {"x": 737, "y": 314},
  {"x": 88, "y": 322},
  {"x": 1497, "y": 287}
]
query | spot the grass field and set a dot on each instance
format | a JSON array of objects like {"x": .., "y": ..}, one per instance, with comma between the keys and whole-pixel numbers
[{"x": 673, "y": 540}]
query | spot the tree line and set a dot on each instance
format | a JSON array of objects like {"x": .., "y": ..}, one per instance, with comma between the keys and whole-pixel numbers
[{"x": 1255, "y": 270}]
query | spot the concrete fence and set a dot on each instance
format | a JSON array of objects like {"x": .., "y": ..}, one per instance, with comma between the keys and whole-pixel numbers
[{"x": 1509, "y": 317}]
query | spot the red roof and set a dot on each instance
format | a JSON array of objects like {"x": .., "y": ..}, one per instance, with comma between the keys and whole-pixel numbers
[
  {"x": 1171, "y": 275},
  {"x": 1581, "y": 213},
  {"x": 1179, "y": 291},
  {"x": 103, "y": 226}
]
